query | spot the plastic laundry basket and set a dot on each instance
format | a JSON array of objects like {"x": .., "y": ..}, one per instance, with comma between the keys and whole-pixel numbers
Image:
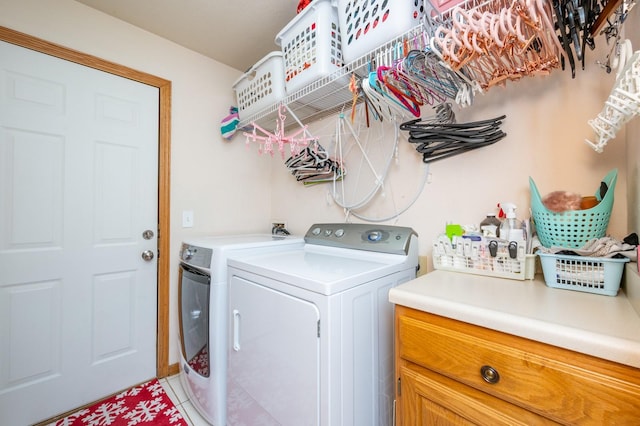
[
  {"x": 597, "y": 275},
  {"x": 261, "y": 86},
  {"x": 366, "y": 25},
  {"x": 311, "y": 45},
  {"x": 573, "y": 228}
]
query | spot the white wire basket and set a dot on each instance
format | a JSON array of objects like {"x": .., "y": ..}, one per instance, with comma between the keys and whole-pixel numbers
[{"x": 599, "y": 275}]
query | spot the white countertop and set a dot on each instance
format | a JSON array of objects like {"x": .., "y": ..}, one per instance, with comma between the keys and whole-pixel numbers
[{"x": 603, "y": 326}]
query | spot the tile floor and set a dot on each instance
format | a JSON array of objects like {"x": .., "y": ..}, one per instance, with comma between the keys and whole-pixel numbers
[{"x": 174, "y": 389}]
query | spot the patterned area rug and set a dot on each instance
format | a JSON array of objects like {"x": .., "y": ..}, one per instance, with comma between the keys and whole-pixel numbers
[
  {"x": 200, "y": 362},
  {"x": 143, "y": 405}
]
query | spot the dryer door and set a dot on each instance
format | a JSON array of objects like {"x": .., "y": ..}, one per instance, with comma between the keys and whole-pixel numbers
[
  {"x": 274, "y": 361},
  {"x": 194, "y": 290}
]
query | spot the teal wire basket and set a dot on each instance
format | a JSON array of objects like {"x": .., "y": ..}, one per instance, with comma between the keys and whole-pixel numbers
[{"x": 573, "y": 228}]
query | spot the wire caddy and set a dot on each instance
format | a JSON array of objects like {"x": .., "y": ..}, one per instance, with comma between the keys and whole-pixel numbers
[{"x": 476, "y": 257}]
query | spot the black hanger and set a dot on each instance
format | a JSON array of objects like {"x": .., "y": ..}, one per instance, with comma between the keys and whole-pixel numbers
[
  {"x": 436, "y": 141},
  {"x": 561, "y": 26}
]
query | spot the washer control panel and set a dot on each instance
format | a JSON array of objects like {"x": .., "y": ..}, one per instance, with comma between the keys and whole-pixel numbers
[
  {"x": 379, "y": 238},
  {"x": 196, "y": 256}
]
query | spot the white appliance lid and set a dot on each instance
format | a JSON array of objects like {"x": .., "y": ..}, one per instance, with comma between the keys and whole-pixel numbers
[
  {"x": 210, "y": 253},
  {"x": 241, "y": 240},
  {"x": 324, "y": 271}
]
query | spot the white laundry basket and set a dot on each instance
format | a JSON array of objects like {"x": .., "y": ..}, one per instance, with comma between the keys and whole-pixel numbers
[
  {"x": 261, "y": 86},
  {"x": 366, "y": 25},
  {"x": 311, "y": 45}
]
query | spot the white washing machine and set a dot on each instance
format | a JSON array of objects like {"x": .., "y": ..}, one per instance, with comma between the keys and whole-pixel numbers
[
  {"x": 311, "y": 329},
  {"x": 203, "y": 314}
]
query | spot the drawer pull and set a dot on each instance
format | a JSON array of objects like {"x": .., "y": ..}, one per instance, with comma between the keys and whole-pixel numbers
[{"x": 490, "y": 374}]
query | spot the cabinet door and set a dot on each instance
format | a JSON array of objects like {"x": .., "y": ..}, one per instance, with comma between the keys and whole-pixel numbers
[
  {"x": 427, "y": 398},
  {"x": 566, "y": 386},
  {"x": 273, "y": 357}
]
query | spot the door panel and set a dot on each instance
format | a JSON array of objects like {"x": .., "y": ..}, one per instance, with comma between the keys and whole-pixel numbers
[
  {"x": 32, "y": 308},
  {"x": 78, "y": 186},
  {"x": 113, "y": 315},
  {"x": 32, "y": 180},
  {"x": 274, "y": 357}
]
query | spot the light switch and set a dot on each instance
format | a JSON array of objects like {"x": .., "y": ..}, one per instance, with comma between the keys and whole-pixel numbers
[{"x": 187, "y": 218}]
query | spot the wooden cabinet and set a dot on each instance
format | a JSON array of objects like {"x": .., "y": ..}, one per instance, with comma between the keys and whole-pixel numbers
[{"x": 454, "y": 373}]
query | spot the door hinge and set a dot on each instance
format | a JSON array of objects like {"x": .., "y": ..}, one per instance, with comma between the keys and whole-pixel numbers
[
  {"x": 399, "y": 390},
  {"x": 395, "y": 415}
]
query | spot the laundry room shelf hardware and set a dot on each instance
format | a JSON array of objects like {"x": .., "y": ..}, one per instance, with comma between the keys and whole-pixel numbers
[{"x": 328, "y": 94}]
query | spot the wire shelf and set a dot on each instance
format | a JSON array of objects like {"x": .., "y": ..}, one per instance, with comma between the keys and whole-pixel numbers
[{"x": 330, "y": 94}]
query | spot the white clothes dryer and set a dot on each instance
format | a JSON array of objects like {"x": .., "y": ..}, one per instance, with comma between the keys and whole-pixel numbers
[
  {"x": 203, "y": 314},
  {"x": 311, "y": 329}
]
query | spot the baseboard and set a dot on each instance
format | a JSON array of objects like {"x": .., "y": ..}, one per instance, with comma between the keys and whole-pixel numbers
[{"x": 174, "y": 369}]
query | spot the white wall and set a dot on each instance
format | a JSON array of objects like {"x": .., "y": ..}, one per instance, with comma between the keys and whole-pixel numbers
[{"x": 231, "y": 189}]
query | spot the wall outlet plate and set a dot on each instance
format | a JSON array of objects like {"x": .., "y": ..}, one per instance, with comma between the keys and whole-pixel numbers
[{"x": 187, "y": 218}]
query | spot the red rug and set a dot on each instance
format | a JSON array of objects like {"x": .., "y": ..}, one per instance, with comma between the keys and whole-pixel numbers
[
  {"x": 200, "y": 362},
  {"x": 143, "y": 405}
]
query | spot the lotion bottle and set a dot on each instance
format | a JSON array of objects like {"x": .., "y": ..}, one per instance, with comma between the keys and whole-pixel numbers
[{"x": 511, "y": 228}]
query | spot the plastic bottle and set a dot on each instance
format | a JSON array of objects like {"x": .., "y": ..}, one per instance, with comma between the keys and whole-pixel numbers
[
  {"x": 511, "y": 228},
  {"x": 490, "y": 226}
]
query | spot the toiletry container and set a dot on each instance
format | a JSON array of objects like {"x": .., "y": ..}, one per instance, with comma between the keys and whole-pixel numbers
[
  {"x": 511, "y": 228},
  {"x": 490, "y": 226}
]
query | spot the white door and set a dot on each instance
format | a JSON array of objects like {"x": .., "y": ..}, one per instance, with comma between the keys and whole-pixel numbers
[
  {"x": 274, "y": 357},
  {"x": 78, "y": 187}
]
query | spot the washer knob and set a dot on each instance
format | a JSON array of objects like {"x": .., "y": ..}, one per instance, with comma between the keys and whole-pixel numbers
[
  {"x": 187, "y": 254},
  {"x": 374, "y": 236}
]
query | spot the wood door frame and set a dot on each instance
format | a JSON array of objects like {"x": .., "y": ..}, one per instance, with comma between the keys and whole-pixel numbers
[{"x": 164, "y": 149}]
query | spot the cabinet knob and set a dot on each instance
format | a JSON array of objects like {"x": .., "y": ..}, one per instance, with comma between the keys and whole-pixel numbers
[{"x": 489, "y": 374}]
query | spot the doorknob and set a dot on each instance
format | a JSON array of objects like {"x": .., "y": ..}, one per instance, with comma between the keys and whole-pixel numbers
[{"x": 147, "y": 255}]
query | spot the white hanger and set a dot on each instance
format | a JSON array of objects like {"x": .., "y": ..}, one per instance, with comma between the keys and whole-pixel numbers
[
  {"x": 623, "y": 57},
  {"x": 623, "y": 102}
]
